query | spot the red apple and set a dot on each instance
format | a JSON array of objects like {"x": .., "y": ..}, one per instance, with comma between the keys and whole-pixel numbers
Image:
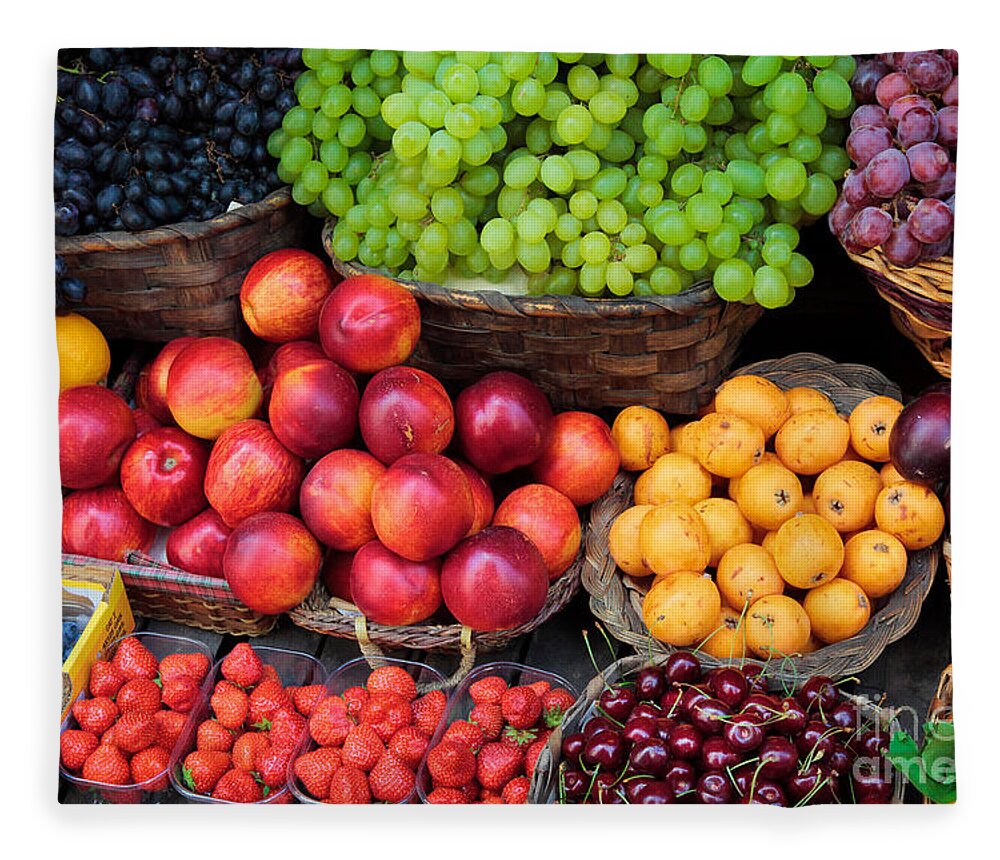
[
  {"x": 283, "y": 293},
  {"x": 390, "y": 589},
  {"x": 314, "y": 408},
  {"x": 211, "y": 385},
  {"x": 102, "y": 524},
  {"x": 144, "y": 421},
  {"x": 548, "y": 519},
  {"x": 404, "y": 410},
  {"x": 368, "y": 323},
  {"x": 335, "y": 574},
  {"x": 249, "y": 471},
  {"x": 286, "y": 356},
  {"x": 336, "y": 498},
  {"x": 198, "y": 545},
  {"x": 482, "y": 498},
  {"x": 494, "y": 580},
  {"x": 163, "y": 476},
  {"x": 422, "y": 506},
  {"x": 96, "y": 427},
  {"x": 502, "y": 422},
  {"x": 151, "y": 391},
  {"x": 581, "y": 458},
  {"x": 271, "y": 562}
]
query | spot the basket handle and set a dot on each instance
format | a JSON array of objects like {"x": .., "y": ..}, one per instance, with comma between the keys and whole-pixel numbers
[{"x": 373, "y": 654}]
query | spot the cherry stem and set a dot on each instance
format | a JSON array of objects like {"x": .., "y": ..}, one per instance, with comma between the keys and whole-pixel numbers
[
  {"x": 813, "y": 791},
  {"x": 590, "y": 787}
]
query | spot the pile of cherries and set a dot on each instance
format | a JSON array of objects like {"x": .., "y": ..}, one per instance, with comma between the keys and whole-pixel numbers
[{"x": 672, "y": 733}]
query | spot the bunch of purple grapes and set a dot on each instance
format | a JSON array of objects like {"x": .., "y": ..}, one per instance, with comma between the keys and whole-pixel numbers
[{"x": 900, "y": 196}]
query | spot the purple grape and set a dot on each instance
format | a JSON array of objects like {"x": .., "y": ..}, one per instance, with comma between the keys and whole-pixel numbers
[
  {"x": 899, "y": 107},
  {"x": 67, "y": 219},
  {"x": 887, "y": 173},
  {"x": 936, "y": 250},
  {"x": 893, "y": 86},
  {"x": 942, "y": 187},
  {"x": 838, "y": 217},
  {"x": 866, "y": 76},
  {"x": 950, "y": 95},
  {"x": 854, "y": 189},
  {"x": 147, "y": 110},
  {"x": 952, "y": 57},
  {"x": 870, "y": 115},
  {"x": 872, "y": 226},
  {"x": 929, "y": 71},
  {"x": 928, "y": 161},
  {"x": 948, "y": 126},
  {"x": 917, "y": 125},
  {"x": 901, "y": 249},
  {"x": 867, "y": 141},
  {"x": 931, "y": 221}
]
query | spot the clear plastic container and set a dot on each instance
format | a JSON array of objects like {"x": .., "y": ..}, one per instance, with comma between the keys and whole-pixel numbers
[
  {"x": 354, "y": 673},
  {"x": 160, "y": 644},
  {"x": 460, "y": 703},
  {"x": 294, "y": 668}
]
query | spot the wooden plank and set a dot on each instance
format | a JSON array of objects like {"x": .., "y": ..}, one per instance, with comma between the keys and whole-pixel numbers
[{"x": 291, "y": 637}]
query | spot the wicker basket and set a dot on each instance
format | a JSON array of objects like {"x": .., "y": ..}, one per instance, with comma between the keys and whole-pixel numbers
[
  {"x": 182, "y": 279},
  {"x": 545, "y": 780},
  {"x": 667, "y": 352},
  {"x": 616, "y": 599},
  {"x": 165, "y": 593},
  {"x": 919, "y": 300}
]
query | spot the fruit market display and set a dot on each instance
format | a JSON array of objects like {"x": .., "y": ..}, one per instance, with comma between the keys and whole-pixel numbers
[
  {"x": 596, "y": 174},
  {"x": 802, "y": 515},
  {"x": 899, "y": 195},
  {"x": 69, "y": 290},
  {"x": 145, "y": 137},
  {"x": 673, "y": 733}
]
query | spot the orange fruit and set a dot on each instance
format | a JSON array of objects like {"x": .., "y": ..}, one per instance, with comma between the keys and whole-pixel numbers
[
  {"x": 808, "y": 551},
  {"x": 729, "y": 641},
  {"x": 768, "y": 541},
  {"x": 911, "y": 512},
  {"x": 673, "y": 537},
  {"x": 837, "y": 610},
  {"x": 876, "y": 561},
  {"x": 684, "y": 438},
  {"x": 84, "y": 355},
  {"x": 889, "y": 475},
  {"x": 746, "y": 573},
  {"x": 813, "y": 644},
  {"x": 755, "y": 399},
  {"x": 726, "y": 526},
  {"x": 811, "y": 441},
  {"x": 681, "y": 609},
  {"x": 844, "y": 495},
  {"x": 623, "y": 541},
  {"x": 777, "y": 626},
  {"x": 673, "y": 477},
  {"x": 803, "y": 399},
  {"x": 642, "y": 436},
  {"x": 733, "y": 485},
  {"x": 768, "y": 494},
  {"x": 808, "y": 506},
  {"x": 728, "y": 445},
  {"x": 871, "y": 422}
]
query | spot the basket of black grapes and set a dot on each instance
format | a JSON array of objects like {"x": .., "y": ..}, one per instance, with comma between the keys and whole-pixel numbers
[{"x": 165, "y": 193}]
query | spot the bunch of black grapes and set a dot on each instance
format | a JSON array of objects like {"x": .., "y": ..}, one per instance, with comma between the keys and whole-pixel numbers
[{"x": 152, "y": 136}]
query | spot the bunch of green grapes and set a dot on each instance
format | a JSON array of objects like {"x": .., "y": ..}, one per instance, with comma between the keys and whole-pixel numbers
[{"x": 599, "y": 174}]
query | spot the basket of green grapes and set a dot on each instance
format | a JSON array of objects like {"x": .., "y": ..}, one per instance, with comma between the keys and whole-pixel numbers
[{"x": 610, "y": 224}]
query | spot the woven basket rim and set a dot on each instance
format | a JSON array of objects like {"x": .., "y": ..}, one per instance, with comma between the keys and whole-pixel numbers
[
  {"x": 698, "y": 295},
  {"x": 189, "y": 231}
]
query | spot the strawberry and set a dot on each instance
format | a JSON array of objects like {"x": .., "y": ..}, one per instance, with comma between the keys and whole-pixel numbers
[
  {"x": 470, "y": 791},
  {"x": 555, "y": 704},
  {"x": 74, "y": 747},
  {"x": 150, "y": 765},
  {"x": 229, "y": 704},
  {"x": 356, "y": 698},
  {"x": 107, "y": 764},
  {"x": 202, "y": 769},
  {"x": 498, "y": 764},
  {"x": 139, "y": 694},
  {"x": 362, "y": 748},
  {"x": 269, "y": 673},
  {"x": 135, "y": 731},
  {"x": 267, "y": 698},
  {"x": 194, "y": 666},
  {"x": 212, "y": 735},
  {"x": 468, "y": 733},
  {"x": 105, "y": 679},
  {"x": 532, "y": 753},
  {"x": 135, "y": 660},
  {"x": 519, "y": 739},
  {"x": 516, "y": 791},
  {"x": 315, "y": 768},
  {"x": 329, "y": 723},
  {"x": 540, "y": 687},
  {"x": 488, "y": 690},
  {"x": 169, "y": 725},
  {"x": 180, "y": 694},
  {"x": 387, "y": 713},
  {"x": 409, "y": 746},
  {"x": 391, "y": 781},
  {"x": 349, "y": 785},
  {"x": 392, "y": 679},
  {"x": 489, "y": 718},
  {"x": 451, "y": 764},
  {"x": 446, "y": 795},
  {"x": 247, "y": 747},
  {"x": 521, "y": 707},
  {"x": 428, "y": 711},
  {"x": 238, "y": 786},
  {"x": 287, "y": 728},
  {"x": 490, "y": 797},
  {"x": 306, "y": 698},
  {"x": 95, "y": 715},
  {"x": 242, "y": 666},
  {"x": 272, "y": 766}
]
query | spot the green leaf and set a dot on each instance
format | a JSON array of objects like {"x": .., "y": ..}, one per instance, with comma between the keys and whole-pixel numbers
[
  {"x": 939, "y": 752},
  {"x": 906, "y": 757}
]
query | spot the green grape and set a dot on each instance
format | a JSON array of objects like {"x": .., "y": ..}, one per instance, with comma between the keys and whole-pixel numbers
[
  {"x": 620, "y": 148},
  {"x": 383, "y": 63},
  {"x": 329, "y": 73},
  {"x": 375, "y": 238},
  {"x": 844, "y": 66},
  {"x": 443, "y": 150},
  {"x": 361, "y": 72},
  {"x": 723, "y": 241},
  {"x": 521, "y": 171},
  {"x": 625, "y": 88},
  {"x": 410, "y": 139},
  {"x": 622, "y": 65},
  {"x": 434, "y": 239},
  {"x": 436, "y": 176},
  {"x": 832, "y": 90},
  {"x": 607, "y": 107},
  {"x": 670, "y": 139},
  {"x": 340, "y": 55},
  {"x": 686, "y": 179},
  {"x": 336, "y": 101},
  {"x": 583, "y": 82},
  {"x": 608, "y": 183},
  {"x": 695, "y": 138},
  {"x": 314, "y": 177},
  {"x": 834, "y": 133},
  {"x": 785, "y": 233},
  {"x": 533, "y": 256},
  {"x": 356, "y": 218},
  {"x": 693, "y": 254},
  {"x": 337, "y": 197},
  {"x": 619, "y": 278},
  {"x": 786, "y": 93},
  {"x": 410, "y": 230},
  {"x": 776, "y": 253},
  {"x": 798, "y": 271},
  {"x": 649, "y": 192},
  {"x": 703, "y": 212},
  {"x": 819, "y": 195},
  {"x": 477, "y": 149},
  {"x": 537, "y": 284},
  {"x": 833, "y": 161},
  {"x": 546, "y": 67},
  {"x": 432, "y": 108},
  {"x": 296, "y": 152},
  {"x": 695, "y": 102},
  {"x": 758, "y": 140},
  {"x": 770, "y": 287},
  {"x": 664, "y": 281},
  {"x": 478, "y": 260},
  {"x": 510, "y": 201},
  {"x": 461, "y": 121},
  {"x": 584, "y": 163},
  {"x": 298, "y": 121},
  {"x": 557, "y": 174},
  {"x": 364, "y": 190},
  {"x": 528, "y": 96},
  {"x": 497, "y": 236},
  {"x": 805, "y": 148},
  {"x": 562, "y": 281},
  {"x": 640, "y": 257},
  {"x": 481, "y": 180},
  {"x": 654, "y": 118},
  {"x": 718, "y": 186},
  {"x": 556, "y": 101},
  {"x": 721, "y": 112},
  {"x": 459, "y": 82},
  {"x": 571, "y": 256},
  {"x": 567, "y": 227},
  {"x": 633, "y": 233},
  {"x": 672, "y": 65},
  {"x": 768, "y": 158},
  {"x": 313, "y": 57},
  {"x": 736, "y": 147},
  {"x": 574, "y": 124},
  {"x": 345, "y": 245},
  {"x": 595, "y": 247},
  {"x": 352, "y": 130},
  {"x": 652, "y": 168},
  {"x": 365, "y": 102},
  {"x": 324, "y": 127},
  {"x": 309, "y": 89},
  {"x": 537, "y": 138},
  {"x": 518, "y": 65},
  {"x": 758, "y": 71},
  {"x": 493, "y": 81},
  {"x": 276, "y": 141},
  {"x": 378, "y": 129},
  {"x": 781, "y": 128},
  {"x": 489, "y": 110},
  {"x": 583, "y": 204},
  {"x": 674, "y": 229},
  {"x": 785, "y": 179},
  {"x": 421, "y": 63},
  {"x": 446, "y": 205},
  {"x": 379, "y": 213},
  {"x": 670, "y": 256},
  {"x": 733, "y": 280},
  {"x": 756, "y": 208},
  {"x": 648, "y": 79},
  {"x": 739, "y": 216},
  {"x": 611, "y": 216},
  {"x": 593, "y": 278},
  {"x": 399, "y": 108},
  {"x": 715, "y": 76},
  {"x": 748, "y": 179}
]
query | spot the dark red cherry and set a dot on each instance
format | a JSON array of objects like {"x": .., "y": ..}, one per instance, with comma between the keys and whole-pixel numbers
[
  {"x": 839, "y": 760},
  {"x": 818, "y": 695},
  {"x": 778, "y": 757},
  {"x": 664, "y": 726},
  {"x": 846, "y": 715},
  {"x": 767, "y": 792},
  {"x": 681, "y": 776},
  {"x": 685, "y": 742},
  {"x": 575, "y": 784},
  {"x": 617, "y": 702},
  {"x": 815, "y": 738},
  {"x": 639, "y": 729},
  {"x": 872, "y": 744},
  {"x": 670, "y": 701},
  {"x": 716, "y": 754},
  {"x": 598, "y": 724},
  {"x": 606, "y": 748},
  {"x": 743, "y": 732},
  {"x": 729, "y": 686},
  {"x": 756, "y": 679},
  {"x": 645, "y": 709},
  {"x": 794, "y": 716},
  {"x": 691, "y": 697},
  {"x": 656, "y": 792},
  {"x": 633, "y": 786},
  {"x": 650, "y": 757},
  {"x": 872, "y": 781},
  {"x": 709, "y": 716},
  {"x": 714, "y": 787},
  {"x": 606, "y": 789},
  {"x": 682, "y": 667},
  {"x": 742, "y": 777},
  {"x": 763, "y": 705},
  {"x": 819, "y": 785},
  {"x": 650, "y": 684},
  {"x": 572, "y": 746}
]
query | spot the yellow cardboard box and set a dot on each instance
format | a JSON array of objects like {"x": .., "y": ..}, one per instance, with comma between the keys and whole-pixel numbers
[{"x": 96, "y": 592}]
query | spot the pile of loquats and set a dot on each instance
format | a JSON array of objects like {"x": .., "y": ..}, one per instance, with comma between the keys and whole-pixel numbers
[{"x": 770, "y": 525}]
